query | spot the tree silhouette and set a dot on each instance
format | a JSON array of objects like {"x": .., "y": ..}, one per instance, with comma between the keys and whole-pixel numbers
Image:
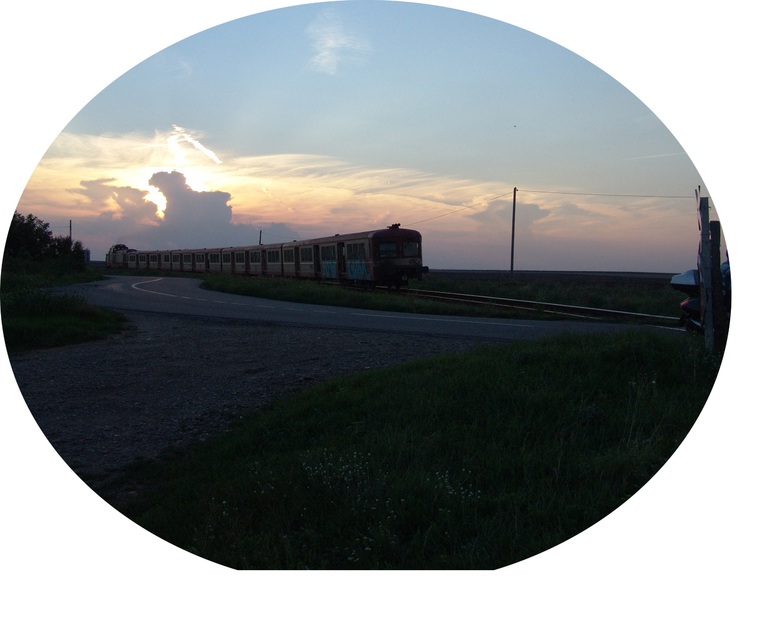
[{"x": 30, "y": 240}]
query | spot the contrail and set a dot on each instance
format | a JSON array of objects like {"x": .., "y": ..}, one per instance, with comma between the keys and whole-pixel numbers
[
  {"x": 654, "y": 156},
  {"x": 182, "y": 134}
]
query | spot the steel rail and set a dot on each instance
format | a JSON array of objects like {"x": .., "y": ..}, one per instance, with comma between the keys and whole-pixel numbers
[{"x": 546, "y": 307}]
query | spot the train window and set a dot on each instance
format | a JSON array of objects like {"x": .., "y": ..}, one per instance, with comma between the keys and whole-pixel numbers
[
  {"x": 199, "y": 257},
  {"x": 355, "y": 251},
  {"x": 328, "y": 253},
  {"x": 176, "y": 258},
  {"x": 152, "y": 258},
  {"x": 187, "y": 258},
  {"x": 239, "y": 258},
  {"x": 272, "y": 256},
  {"x": 132, "y": 258},
  {"x": 142, "y": 258},
  {"x": 307, "y": 255},
  {"x": 215, "y": 258},
  {"x": 166, "y": 258},
  {"x": 288, "y": 255},
  {"x": 227, "y": 257},
  {"x": 255, "y": 256},
  {"x": 387, "y": 249},
  {"x": 411, "y": 248}
]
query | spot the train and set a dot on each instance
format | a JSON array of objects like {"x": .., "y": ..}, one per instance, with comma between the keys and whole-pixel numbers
[{"x": 391, "y": 257}]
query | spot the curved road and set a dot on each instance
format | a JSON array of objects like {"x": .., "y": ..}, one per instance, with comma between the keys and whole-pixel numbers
[{"x": 184, "y": 296}]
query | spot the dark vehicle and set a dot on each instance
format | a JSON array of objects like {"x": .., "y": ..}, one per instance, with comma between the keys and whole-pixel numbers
[
  {"x": 691, "y": 310},
  {"x": 391, "y": 256},
  {"x": 688, "y": 283}
]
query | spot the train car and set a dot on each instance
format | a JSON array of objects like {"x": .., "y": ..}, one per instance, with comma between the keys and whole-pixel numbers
[
  {"x": 254, "y": 255},
  {"x": 291, "y": 259},
  {"x": 240, "y": 260},
  {"x": 218, "y": 261},
  {"x": 194, "y": 260},
  {"x": 271, "y": 260},
  {"x": 165, "y": 260},
  {"x": 132, "y": 262},
  {"x": 391, "y": 256},
  {"x": 117, "y": 256}
]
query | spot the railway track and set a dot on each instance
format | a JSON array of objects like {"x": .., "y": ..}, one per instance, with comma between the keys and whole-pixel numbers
[{"x": 541, "y": 307}]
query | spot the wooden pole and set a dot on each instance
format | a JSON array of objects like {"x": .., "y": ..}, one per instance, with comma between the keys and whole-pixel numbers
[{"x": 513, "y": 228}]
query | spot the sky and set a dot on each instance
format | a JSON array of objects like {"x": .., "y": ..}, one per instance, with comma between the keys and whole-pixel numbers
[
  {"x": 694, "y": 531},
  {"x": 335, "y": 117}
]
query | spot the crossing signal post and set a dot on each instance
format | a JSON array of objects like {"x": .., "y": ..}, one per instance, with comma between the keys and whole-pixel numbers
[{"x": 714, "y": 310}]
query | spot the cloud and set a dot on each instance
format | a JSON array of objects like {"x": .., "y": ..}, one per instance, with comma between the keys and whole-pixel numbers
[
  {"x": 500, "y": 212},
  {"x": 117, "y": 201},
  {"x": 334, "y": 44},
  {"x": 188, "y": 208},
  {"x": 103, "y": 183}
]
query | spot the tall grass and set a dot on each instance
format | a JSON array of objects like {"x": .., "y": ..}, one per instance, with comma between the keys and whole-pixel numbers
[
  {"x": 33, "y": 316},
  {"x": 36, "y": 318},
  {"x": 474, "y": 461},
  {"x": 295, "y": 290},
  {"x": 639, "y": 294}
]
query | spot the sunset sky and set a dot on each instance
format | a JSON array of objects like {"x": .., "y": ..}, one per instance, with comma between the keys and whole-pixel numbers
[{"x": 337, "y": 117}]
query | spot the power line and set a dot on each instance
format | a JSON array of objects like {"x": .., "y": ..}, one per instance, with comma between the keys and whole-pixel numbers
[
  {"x": 606, "y": 195},
  {"x": 564, "y": 193},
  {"x": 465, "y": 208}
]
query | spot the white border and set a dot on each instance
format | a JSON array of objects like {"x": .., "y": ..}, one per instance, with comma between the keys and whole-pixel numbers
[{"x": 676, "y": 552}]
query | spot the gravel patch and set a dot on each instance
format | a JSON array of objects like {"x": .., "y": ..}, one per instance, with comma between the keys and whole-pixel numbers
[{"x": 170, "y": 380}]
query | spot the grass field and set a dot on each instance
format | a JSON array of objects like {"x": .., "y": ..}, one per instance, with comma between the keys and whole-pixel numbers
[
  {"x": 474, "y": 461},
  {"x": 463, "y": 462},
  {"x": 643, "y": 293},
  {"x": 33, "y": 317}
]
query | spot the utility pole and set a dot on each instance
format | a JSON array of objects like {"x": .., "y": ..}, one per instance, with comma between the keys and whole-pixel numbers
[{"x": 513, "y": 228}]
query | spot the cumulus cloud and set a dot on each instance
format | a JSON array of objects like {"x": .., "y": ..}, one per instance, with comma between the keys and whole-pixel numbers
[
  {"x": 186, "y": 206},
  {"x": 334, "y": 44},
  {"x": 117, "y": 201}
]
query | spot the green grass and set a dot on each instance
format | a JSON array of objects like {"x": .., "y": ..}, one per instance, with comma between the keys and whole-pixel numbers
[
  {"x": 640, "y": 294},
  {"x": 35, "y": 318},
  {"x": 472, "y": 461},
  {"x": 292, "y": 290}
]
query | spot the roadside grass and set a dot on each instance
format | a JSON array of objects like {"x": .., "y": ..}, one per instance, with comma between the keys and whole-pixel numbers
[
  {"x": 638, "y": 293},
  {"x": 307, "y": 291},
  {"x": 34, "y": 317},
  {"x": 474, "y": 461},
  {"x": 650, "y": 295},
  {"x": 24, "y": 274}
]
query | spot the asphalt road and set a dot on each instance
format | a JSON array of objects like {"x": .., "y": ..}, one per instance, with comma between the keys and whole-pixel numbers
[{"x": 184, "y": 296}]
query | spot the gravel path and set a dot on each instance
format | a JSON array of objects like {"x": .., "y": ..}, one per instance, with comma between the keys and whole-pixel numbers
[{"x": 172, "y": 380}]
